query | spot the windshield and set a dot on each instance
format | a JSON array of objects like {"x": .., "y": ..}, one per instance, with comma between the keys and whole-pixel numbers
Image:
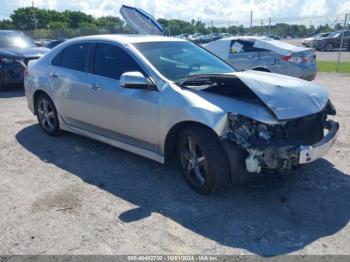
[
  {"x": 335, "y": 34},
  {"x": 15, "y": 39},
  {"x": 322, "y": 35},
  {"x": 180, "y": 60}
]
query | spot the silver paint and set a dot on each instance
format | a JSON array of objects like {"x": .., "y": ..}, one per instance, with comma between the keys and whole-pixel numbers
[{"x": 139, "y": 120}]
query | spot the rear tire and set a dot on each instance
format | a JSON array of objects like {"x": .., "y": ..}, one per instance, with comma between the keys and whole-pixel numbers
[
  {"x": 329, "y": 47},
  {"x": 203, "y": 160},
  {"x": 47, "y": 115}
]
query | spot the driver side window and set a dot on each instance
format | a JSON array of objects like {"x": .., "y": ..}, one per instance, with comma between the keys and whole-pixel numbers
[{"x": 112, "y": 61}]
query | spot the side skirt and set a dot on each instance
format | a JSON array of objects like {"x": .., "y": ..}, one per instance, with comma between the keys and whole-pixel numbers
[{"x": 122, "y": 145}]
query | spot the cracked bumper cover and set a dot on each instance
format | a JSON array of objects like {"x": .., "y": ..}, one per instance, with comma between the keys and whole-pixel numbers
[{"x": 316, "y": 151}]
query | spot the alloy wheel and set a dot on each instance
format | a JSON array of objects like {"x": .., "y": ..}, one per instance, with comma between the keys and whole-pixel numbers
[
  {"x": 46, "y": 115},
  {"x": 193, "y": 161}
]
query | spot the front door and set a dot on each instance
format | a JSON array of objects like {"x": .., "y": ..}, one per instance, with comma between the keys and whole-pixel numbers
[{"x": 128, "y": 115}]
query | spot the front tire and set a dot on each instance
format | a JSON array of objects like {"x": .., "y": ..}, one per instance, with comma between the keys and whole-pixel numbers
[
  {"x": 203, "y": 160},
  {"x": 47, "y": 115}
]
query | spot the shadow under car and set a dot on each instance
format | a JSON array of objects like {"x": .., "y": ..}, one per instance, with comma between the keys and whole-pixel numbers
[{"x": 271, "y": 216}]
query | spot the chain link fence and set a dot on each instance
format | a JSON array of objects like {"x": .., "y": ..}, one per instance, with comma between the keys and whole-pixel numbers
[{"x": 65, "y": 33}]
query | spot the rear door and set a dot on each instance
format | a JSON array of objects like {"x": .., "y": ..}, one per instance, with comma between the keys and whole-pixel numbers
[
  {"x": 243, "y": 55},
  {"x": 69, "y": 77}
]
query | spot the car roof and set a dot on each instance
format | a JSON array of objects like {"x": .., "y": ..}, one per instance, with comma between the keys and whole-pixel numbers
[
  {"x": 128, "y": 39},
  {"x": 246, "y": 37}
]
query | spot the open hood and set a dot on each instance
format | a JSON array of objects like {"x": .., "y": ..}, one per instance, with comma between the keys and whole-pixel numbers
[
  {"x": 283, "y": 96},
  {"x": 141, "y": 21}
]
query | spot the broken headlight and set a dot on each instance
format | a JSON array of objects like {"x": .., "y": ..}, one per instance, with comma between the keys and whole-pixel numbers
[{"x": 243, "y": 130}]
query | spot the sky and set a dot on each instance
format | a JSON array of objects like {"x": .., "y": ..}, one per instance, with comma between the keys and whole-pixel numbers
[{"x": 221, "y": 12}]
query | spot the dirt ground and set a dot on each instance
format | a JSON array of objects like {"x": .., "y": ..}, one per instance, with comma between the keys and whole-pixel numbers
[{"x": 73, "y": 195}]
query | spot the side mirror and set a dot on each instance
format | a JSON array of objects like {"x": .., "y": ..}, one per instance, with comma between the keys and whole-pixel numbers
[{"x": 134, "y": 80}]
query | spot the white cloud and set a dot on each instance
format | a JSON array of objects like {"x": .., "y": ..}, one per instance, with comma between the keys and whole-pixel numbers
[{"x": 221, "y": 12}]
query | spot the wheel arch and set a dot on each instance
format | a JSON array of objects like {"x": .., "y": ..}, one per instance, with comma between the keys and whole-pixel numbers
[
  {"x": 36, "y": 94},
  {"x": 172, "y": 136},
  {"x": 261, "y": 69}
]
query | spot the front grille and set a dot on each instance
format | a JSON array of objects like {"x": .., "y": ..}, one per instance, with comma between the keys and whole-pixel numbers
[{"x": 307, "y": 130}]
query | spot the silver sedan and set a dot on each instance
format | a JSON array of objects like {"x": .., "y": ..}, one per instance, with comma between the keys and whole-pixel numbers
[{"x": 168, "y": 99}]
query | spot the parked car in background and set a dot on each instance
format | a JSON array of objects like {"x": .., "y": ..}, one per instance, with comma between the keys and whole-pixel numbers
[
  {"x": 330, "y": 42},
  {"x": 266, "y": 54},
  {"x": 183, "y": 36},
  {"x": 167, "y": 98},
  {"x": 216, "y": 36},
  {"x": 53, "y": 43},
  {"x": 308, "y": 41},
  {"x": 195, "y": 37},
  {"x": 16, "y": 49},
  {"x": 274, "y": 36}
]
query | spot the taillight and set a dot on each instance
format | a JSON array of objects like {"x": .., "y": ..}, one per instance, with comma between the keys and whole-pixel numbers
[
  {"x": 286, "y": 57},
  {"x": 295, "y": 59}
]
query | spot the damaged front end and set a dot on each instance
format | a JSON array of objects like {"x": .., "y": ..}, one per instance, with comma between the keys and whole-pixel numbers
[{"x": 284, "y": 145}]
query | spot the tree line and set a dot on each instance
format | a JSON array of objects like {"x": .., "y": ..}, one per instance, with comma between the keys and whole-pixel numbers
[{"x": 30, "y": 18}]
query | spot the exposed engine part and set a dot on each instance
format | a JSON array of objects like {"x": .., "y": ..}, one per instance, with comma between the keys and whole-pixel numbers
[
  {"x": 242, "y": 129},
  {"x": 252, "y": 161},
  {"x": 275, "y": 146}
]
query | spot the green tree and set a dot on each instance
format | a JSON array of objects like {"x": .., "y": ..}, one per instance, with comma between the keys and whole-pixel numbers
[
  {"x": 76, "y": 18},
  {"x": 6, "y": 24},
  {"x": 111, "y": 23},
  {"x": 57, "y": 25}
]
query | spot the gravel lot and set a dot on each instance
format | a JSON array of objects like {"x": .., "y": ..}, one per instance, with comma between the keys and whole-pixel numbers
[{"x": 73, "y": 195}]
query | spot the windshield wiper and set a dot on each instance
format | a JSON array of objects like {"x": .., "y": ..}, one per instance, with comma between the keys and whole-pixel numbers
[{"x": 200, "y": 79}]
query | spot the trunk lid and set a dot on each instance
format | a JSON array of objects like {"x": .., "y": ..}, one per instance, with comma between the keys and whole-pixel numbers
[{"x": 280, "y": 47}]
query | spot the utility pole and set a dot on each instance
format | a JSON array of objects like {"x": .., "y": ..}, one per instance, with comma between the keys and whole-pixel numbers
[
  {"x": 34, "y": 17},
  {"x": 251, "y": 20},
  {"x": 269, "y": 25},
  {"x": 341, "y": 42}
]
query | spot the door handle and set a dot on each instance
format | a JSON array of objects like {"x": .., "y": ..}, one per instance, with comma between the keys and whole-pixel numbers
[{"x": 95, "y": 87}]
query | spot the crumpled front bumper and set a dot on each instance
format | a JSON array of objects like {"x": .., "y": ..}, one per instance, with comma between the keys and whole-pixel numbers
[
  {"x": 283, "y": 157},
  {"x": 311, "y": 153}
]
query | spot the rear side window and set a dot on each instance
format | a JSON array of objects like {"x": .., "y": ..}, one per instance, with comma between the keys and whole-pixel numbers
[
  {"x": 112, "y": 61},
  {"x": 74, "y": 57},
  {"x": 57, "y": 60},
  {"x": 241, "y": 46}
]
